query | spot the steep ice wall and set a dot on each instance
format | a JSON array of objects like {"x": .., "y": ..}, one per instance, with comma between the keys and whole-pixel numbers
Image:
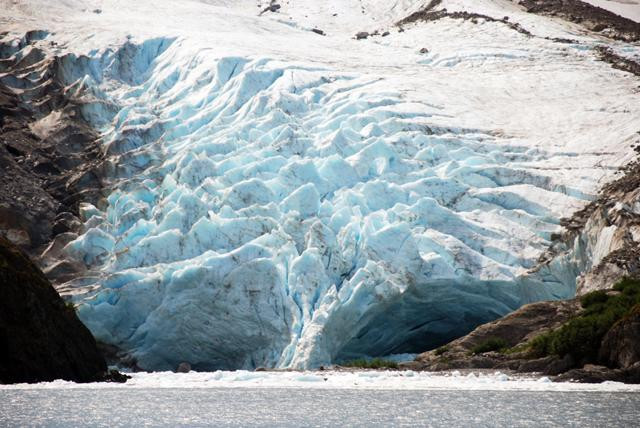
[
  {"x": 278, "y": 214},
  {"x": 270, "y": 211}
]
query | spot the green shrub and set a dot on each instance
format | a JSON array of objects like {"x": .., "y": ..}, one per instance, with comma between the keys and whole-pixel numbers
[
  {"x": 516, "y": 349},
  {"x": 491, "y": 344},
  {"x": 376, "y": 363},
  {"x": 581, "y": 336},
  {"x": 539, "y": 345},
  {"x": 594, "y": 298},
  {"x": 630, "y": 286},
  {"x": 441, "y": 350}
]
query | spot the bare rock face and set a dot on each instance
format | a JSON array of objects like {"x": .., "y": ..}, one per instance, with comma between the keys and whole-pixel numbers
[
  {"x": 597, "y": 374},
  {"x": 41, "y": 339},
  {"x": 521, "y": 324},
  {"x": 602, "y": 241},
  {"x": 621, "y": 345},
  {"x": 183, "y": 368},
  {"x": 514, "y": 329}
]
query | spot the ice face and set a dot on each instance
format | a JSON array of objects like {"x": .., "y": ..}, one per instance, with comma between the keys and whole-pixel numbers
[
  {"x": 285, "y": 215},
  {"x": 270, "y": 211}
]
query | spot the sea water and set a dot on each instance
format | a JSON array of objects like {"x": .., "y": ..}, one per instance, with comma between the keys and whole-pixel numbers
[{"x": 321, "y": 399}]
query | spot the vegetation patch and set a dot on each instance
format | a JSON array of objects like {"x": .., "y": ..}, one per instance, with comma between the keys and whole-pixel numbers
[
  {"x": 582, "y": 336},
  {"x": 491, "y": 344},
  {"x": 516, "y": 349},
  {"x": 376, "y": 363},
  {"x": 441, "y": 350}
]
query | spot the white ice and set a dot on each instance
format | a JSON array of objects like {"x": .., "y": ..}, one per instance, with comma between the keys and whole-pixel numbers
[{"x": 387, "y": 380}]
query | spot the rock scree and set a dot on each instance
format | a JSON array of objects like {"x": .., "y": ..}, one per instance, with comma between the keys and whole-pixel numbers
[{"x": 50, "y": 157}]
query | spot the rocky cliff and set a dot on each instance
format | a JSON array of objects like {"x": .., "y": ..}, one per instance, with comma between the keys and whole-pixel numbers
[{"x": 41, "y": 339}]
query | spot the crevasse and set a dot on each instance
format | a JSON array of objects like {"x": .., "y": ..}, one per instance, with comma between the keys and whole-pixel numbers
[{"x": 265, "y": 213}]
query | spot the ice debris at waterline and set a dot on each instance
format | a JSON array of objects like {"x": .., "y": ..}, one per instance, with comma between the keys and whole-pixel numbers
[
  {"x": 355, "y": 199},
  {"x": 392, "y": 380}
]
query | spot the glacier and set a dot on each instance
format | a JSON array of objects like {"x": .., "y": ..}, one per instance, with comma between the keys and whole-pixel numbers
[{"x": 294, "y": 206}]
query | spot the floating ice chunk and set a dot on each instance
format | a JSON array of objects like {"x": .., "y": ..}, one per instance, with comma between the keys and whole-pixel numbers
[
  {"x": 310, "y": 378},
  {"x": 500, "y": 377}
]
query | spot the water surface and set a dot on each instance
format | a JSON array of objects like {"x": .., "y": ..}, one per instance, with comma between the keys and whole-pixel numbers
[{"x": 313, "y": 407}]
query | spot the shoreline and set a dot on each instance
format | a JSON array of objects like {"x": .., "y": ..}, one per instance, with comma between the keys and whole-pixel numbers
[{"x": 462, "y": 380}]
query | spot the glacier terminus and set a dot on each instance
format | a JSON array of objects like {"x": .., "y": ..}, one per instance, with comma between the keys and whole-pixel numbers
[{"x": 282, "y": 197}]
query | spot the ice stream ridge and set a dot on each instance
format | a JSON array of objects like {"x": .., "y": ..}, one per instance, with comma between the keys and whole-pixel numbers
[{"x": 282, "y": 214}]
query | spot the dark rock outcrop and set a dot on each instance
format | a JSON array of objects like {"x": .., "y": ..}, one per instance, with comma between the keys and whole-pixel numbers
[
  {"x": 597, "y": 374},
  {"x": 524, "y": 323},
  {"x": 183, "y": 368},
  {"x": 429, "y": 13},
  {"x": 514, "y": 330},
  {"x": 591, "y": 17},
  {"x": 621, "y": 345},
  {"x": 41, "y": 338}
]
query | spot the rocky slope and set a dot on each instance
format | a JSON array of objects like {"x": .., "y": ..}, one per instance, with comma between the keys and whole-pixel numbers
[
  {"x": 509, "y": 344},
  {"x": 603, "y": 239},
  {"x": 49, "y": 156},
  {"x": 590, "y": 17},
  {"x": 40, "y": 337}
]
